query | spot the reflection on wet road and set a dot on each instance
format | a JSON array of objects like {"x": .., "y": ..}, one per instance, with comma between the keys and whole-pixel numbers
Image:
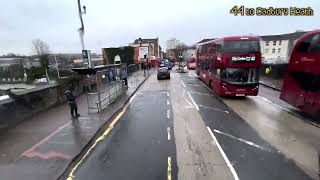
[
  {"x": 289, "y": 145},
  {"x": 179, "y": 129},
  {"x": 140, "y": 145}
]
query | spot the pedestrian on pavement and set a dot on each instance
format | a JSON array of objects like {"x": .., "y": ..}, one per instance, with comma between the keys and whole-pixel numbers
[
  {"x": 143, "y": 65},
  {"x": 72, "y": 103},
  {"x": 110, "y": 76},
  {"x": 125, "y": 76}
]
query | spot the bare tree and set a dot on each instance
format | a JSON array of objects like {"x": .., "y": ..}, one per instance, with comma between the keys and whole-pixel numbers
[{"x": 42, "y": 49}]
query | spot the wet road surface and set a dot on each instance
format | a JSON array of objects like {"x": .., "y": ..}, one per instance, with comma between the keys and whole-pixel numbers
[
  {"x": 281, "y": 144},
  {"x": 205, "y": 137},
  {"x": 141, "y": 144}
]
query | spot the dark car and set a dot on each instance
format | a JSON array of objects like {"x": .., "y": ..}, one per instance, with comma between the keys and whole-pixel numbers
[{"x": 163, "y": 73}]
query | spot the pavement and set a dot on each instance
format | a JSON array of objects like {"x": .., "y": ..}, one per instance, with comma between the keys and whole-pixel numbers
[
  {"x": 44, "y": 146},
  {"x": 275, "y": 84},
  {"x": 180, "y": 129}
]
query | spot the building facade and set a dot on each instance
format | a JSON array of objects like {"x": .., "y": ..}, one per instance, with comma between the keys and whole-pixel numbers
[
  {"x": 172, "y": 43},
  {"x": 276, "y": 49},
  {"x": 152, "y": 49},
  {"x": 203, "y": 41}
]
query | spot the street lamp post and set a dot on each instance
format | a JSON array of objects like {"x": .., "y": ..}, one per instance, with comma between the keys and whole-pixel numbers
[
  {"x": 81, "y": 29},
  {"x": 57, "y": 68}
]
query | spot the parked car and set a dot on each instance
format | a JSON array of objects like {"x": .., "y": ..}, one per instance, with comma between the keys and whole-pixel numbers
[
  {"x": 163, "y": 73},
  {"x": 191, "y": 65}
]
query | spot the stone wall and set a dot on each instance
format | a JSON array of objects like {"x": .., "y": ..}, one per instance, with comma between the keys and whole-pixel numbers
[{"x": 23, "y": 105}]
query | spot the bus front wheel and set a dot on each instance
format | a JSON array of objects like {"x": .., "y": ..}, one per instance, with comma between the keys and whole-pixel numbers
[
  {"x": 210, "y": 84},
  {"x": 318, "y": 116}
]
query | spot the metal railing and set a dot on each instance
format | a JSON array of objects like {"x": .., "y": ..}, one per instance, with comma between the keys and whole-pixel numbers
[
  {"x": 107, "y": 91},
  {"x": 99, "y": 100}
]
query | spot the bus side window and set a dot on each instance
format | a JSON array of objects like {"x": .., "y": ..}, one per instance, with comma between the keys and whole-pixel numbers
[
  {"x": 310, "y": 44},
  {"x": 218, "y": 48},
  {"x": 218, "y": 73},
  {"x": 315, "y": 44}
]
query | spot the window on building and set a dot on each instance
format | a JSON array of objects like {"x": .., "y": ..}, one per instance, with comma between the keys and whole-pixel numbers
[
  {"x": 273, "y": 51},
  {"x": 266, "y": 51},
  {"x": 280, "y": 42},
  {"x": 267, "y": 43},
  {"x": 279, "y": 50},
  {"x": 274, "y": 43}
]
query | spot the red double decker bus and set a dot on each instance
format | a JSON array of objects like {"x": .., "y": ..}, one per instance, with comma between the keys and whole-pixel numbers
[
  {"x": 301, "y": 86},
  {"x": 230, "y": 65}
]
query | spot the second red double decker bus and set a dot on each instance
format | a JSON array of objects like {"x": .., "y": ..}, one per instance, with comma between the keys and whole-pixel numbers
[
  {"x": 230, "y": 65},
  {"x": 301, "y": 86}
]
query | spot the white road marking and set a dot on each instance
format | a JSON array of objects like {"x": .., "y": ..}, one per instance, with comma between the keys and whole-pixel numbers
[
  {"x": 193, "y": 85},
  {"x": 168, "y": 113},
  {"x": 168, "y": 94},
  {"x": 186, "y": 98},
  {"x": 182, "y": 83},
  {"x": 194, "y": 103},
  {"x": 188, "y": 79},
  {"x": 200, "y": 93},
  {"x": 264, "y": 99},
  {"x": 168, "y": 102},
  {"x": 169, "y": 135},
  {"x": 187, "y": 107},
  {"x": 215, "y": 109},
  {"x": 89, "y": 118},
  {"x": 242, "y": 140},
  {"x": 233, "y": 172},
  {"x": 276, "y": 105}
]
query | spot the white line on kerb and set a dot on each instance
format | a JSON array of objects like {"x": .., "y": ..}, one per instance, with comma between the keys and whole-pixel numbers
[
  {"x": 131, "y": 99},
  {"x": 182, "y": 83},
  {"x": 233, "y": 172},
  {"x": 168, "y": 102},
  {"x": 168, "y": 113},
  {"x": 168, "y": 94},
  {"x": 169, "y": 135},
  {"x": 194, "y": 103}
]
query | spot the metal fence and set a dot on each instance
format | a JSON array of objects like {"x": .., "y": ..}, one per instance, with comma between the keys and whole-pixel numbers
[
  {"x": 109, "y": 86},
  {"x": 97, "y": 101}
]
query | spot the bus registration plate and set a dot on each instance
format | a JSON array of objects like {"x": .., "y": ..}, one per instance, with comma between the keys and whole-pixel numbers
[{"x": 240, "y": 95}]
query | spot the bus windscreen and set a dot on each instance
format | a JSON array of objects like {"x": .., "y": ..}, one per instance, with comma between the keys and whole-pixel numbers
[
  {"x": 240, "y": 75},
  {"x": 241, "y": 47}
]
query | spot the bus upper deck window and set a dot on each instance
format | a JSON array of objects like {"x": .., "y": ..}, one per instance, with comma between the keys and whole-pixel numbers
[{"x": 310, "y": 44}]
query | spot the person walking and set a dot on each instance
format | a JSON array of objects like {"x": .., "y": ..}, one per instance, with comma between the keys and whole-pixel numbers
[
  {"x": 143, "y": 65},
  {"x": 72, "y": 103},
  {"x": 110, "y": 76},
  {"x": 125, "y": 75}
]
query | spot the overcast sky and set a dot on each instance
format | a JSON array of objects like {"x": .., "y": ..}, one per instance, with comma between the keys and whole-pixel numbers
[{"x": 118, "y": 22}]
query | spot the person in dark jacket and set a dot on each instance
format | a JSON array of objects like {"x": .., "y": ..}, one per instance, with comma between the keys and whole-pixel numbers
[{"x": 72, "y": 103}]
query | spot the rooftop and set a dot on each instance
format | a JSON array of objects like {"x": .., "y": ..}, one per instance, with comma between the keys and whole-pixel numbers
[
  {"x": 205, "y": 40},
  {"x": 291, "y": 36},
  {"x": 146, "y": 41}
]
